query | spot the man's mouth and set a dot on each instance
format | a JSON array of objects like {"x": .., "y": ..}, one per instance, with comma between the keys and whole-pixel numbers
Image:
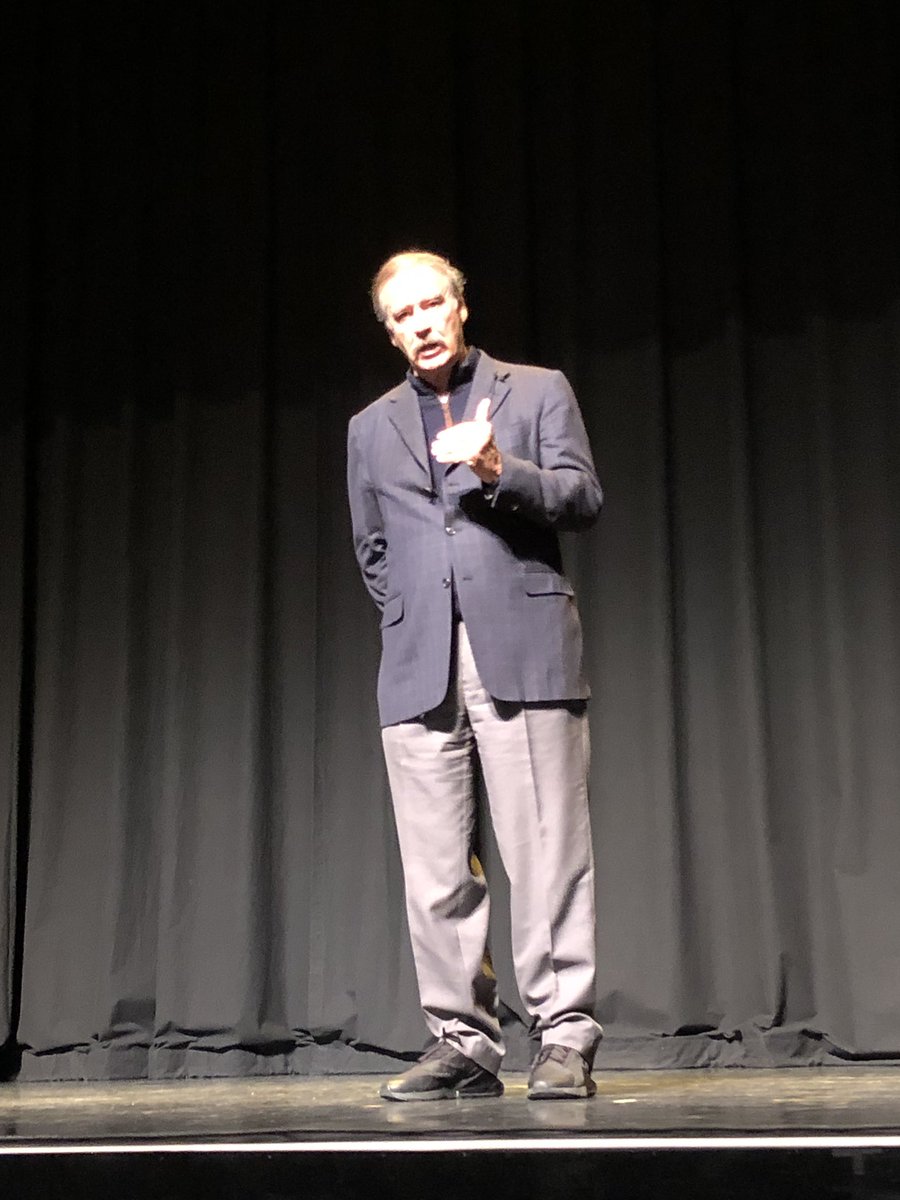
[{"x": 430, "y": 349}]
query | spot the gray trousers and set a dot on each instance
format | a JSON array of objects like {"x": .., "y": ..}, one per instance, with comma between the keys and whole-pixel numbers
[{"x": 534, "y": 760}]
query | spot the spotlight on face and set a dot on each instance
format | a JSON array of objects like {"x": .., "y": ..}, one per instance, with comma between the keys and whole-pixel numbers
[{"x": 424, "y": 319}]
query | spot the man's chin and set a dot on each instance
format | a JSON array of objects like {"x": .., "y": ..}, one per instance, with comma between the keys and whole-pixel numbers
[{"x": 433, "y": 362}]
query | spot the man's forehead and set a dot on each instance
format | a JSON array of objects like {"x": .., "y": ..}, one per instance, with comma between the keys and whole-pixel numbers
[{"x": 412, "y": 283}]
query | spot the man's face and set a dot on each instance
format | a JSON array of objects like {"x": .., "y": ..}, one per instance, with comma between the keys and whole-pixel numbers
[{"x": 423, "y": 319}]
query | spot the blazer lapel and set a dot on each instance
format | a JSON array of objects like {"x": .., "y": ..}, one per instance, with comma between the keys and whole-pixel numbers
[
  {"x": 406, "y": 417},
  {"x": 491, "y": 379}
]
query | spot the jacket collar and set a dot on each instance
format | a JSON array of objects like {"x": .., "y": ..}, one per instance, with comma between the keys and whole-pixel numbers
[{"x": 491, "y": 379}]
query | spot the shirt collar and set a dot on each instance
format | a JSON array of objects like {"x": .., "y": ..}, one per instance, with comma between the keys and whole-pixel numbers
[{"x": 462, "y": 373}]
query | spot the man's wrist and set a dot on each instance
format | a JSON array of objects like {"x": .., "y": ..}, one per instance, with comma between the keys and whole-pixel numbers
[{"x": 488, "y": 466}]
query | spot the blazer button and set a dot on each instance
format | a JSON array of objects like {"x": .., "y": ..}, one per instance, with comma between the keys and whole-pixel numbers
[
  {"x": 445, "y": 582},
  {"x": 449, "y": 530}
]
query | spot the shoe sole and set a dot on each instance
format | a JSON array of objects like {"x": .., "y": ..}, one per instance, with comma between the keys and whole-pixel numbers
[
  {"x": 441, "y": 1094},
  {"x": 582, "y": 1092}
]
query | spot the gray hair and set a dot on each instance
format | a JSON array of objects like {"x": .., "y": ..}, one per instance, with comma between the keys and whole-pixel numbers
[{"x": 418, "y": 258}]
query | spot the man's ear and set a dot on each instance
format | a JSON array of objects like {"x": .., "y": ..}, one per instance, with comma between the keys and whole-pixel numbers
[{"x": 463, "y": 313}]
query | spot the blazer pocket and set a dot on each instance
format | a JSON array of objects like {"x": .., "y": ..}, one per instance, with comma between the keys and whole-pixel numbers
[
  {"x": 392, "y": 611},
  {"x": 548, "y": 584}
]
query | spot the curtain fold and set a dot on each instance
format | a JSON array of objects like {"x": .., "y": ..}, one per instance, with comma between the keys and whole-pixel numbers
[
  {"x": 692, "y": 209},
  {"x": 14, "y": 659}
]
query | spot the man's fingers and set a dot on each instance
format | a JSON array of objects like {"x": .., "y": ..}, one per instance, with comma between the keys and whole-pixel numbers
[
  {"x": 465, "y": 441},
  {"x": 457, "y": 449}
]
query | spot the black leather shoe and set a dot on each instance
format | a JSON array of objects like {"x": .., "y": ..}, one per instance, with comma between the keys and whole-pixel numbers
[
  {"x": 560, "y": 1073},
  {"x": 442, "y": 1073}
]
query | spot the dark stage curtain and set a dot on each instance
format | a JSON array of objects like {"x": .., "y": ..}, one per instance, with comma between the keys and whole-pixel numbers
[
  {"x": 11, "y": 641},
  {"x": 692, "y": 208}
]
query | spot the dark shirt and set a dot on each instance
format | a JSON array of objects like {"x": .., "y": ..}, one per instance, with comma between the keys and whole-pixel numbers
[
  {"x": 432, "y": 410},
  {"x": 433, "y": 420}
]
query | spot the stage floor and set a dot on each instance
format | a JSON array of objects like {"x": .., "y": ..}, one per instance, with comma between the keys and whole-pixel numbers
[{"x": 818, "y": 1105}]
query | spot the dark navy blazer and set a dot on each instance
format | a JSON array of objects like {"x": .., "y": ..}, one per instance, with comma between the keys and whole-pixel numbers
[{"x": 497, "y": 546}]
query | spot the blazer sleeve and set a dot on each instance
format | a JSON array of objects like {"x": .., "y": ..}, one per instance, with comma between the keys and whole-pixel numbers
[
  {"x": 561, "y": 490},
  {"x": 369, "y": 542}
]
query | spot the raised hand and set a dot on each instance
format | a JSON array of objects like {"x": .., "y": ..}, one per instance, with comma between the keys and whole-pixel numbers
[{"x": 472, "y": 443}]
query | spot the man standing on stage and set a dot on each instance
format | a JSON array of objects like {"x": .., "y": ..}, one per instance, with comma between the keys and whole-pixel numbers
[{"x": 459, "y": 480}]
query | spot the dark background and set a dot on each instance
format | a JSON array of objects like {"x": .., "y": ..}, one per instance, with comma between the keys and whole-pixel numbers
[{"x": 692, "y": 208}]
